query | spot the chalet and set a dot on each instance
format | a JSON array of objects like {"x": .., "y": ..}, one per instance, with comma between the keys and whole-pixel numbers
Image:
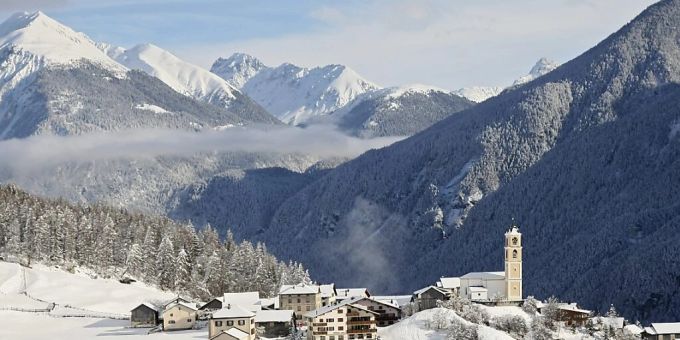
[
  {"x": 610, "y": 322},
  {"x": 341, "y": 321},
  {"x": 328, "y": 294},
  {"x": 450, "y": 284},
  {"x": 300, "y": 299},
  {"x": 569, "y": 314},
  {"x": 662, "y": 331},
  {"x": 247, "y": 300},
  {"x": 495, "y": 286},
  {"x": 179, "y": 315},
  {"x": 348, "y": 293},
  {"x": 269, "y": 303},
  {"x": 212, "y": 305},
  {"x": 427, "y": 297},
  {"x": 223, "y": 320},
  {"x": 275, "y": 323},
  {"x": 388, "y": 314},
  {"x": 144, "y": 315}
]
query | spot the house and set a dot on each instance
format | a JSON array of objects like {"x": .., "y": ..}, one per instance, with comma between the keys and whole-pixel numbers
[
  {"x": 450, "y": 284},
  {"x": 232, "y": 316},
  {"x": 346, "y": 293},
  {"x": 388, "y": 314},
  {"x": 274, "y": 323},
  {"x": 269, "y": 303},
  {"x": 247, "y": 300},
  {"x": 610, "y": 322},
  {"x": 342, "y": 321},
  {"x": 212, "y": 305},
  {"x": 328, "y": 294},
  {"x": 300, "y": 299},
  {"x": 569, "y": 314},
  {"x": 427, "y": 297},
  {"x": 179, "y": 314},
  {"x": 144, "y": 315},
  {"x": 231, "y": 334},
  {"x": 494, "y": 286},
  {"x": 662, "y": 331}
]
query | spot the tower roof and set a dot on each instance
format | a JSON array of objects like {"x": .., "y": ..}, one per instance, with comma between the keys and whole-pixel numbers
[{"x": 514, "y": 230}]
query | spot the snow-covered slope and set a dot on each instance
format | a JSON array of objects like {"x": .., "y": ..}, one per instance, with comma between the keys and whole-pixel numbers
[
  {"x": 188, "y": 79},
  {"x": 397, "y": 111},
  {"x": 479, "y": 94},
  {"x": 45, "y": 38},
  {"x": 293, "y": 94}
]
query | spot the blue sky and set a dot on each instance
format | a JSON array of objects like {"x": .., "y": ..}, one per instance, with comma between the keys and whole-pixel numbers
[{"x": 446, "y": 43}]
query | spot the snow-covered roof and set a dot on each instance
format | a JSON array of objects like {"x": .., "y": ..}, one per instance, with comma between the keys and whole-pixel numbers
[
  {"x": 513, "y": 231},
  {"x": 398, "y": 300},
  {"x": 449, "y": 282},
  {"x": 344, "y": 293},
  {"x": 478, "y": 289},
  {"x": 484, "y": 276},
  {"x": 346, "y": 302},
  {"x": 613, "y": 322},
  {"x": 232, "y": 311},
  {"x": 299, "y": 289},
  {"x": 248, "y": 300},
  {"x": 234, "y": 332},
  {"x": 265, "y": 302},
  {"x": 327, "y": 290},
  {"x": 666, "y": 327},
  {"x": 149, "y": 305},
  {"x": 573, "y": 308},
  {"x": 423, "y": 290},
  {"x": 274, "y": 316},
  {"x": 180, "y": 303},
  {"x": 650, "y": 331},
  {"x": 389, "y": 303},
  {"x": 633, "y": 329}
]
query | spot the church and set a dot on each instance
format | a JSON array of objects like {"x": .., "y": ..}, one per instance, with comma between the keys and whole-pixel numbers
[{"x": 498, "y": 286}]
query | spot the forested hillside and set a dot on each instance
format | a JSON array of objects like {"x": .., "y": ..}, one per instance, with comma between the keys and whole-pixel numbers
[
  {"x": 584, "y": 158},
  {"x": 116, "y": 243}
]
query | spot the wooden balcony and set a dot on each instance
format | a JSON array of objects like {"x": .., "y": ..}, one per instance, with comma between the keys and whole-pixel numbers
[
  {"x": 361, "y": 331},
  {"x": 319, "y": 324},
  {"x": 361, "y": 322}
]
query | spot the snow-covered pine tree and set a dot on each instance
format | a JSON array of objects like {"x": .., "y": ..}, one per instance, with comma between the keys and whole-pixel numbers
[{"x": 165, "y": 264}]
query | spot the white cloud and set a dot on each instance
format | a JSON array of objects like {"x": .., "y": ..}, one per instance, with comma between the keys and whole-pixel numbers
[
  {"x": 40, "y": 152},
  {"x": 444, "y": 43}
]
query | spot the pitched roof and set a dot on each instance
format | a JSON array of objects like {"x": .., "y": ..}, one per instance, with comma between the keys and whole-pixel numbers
[
  {"x": 234, "y": 332},
  {"x": 148, "y": 305},
  {"x": 327, "y": 290},
  {"x": 484, "y": 276},
  {"x": 232, "y": 311},
  {"x": 613, "y": 322},
  {"x": 180, "y": 303},
  {"x": 572, "y": 307},
  {"x": 423, "y": 290},
  {"x": 344, "y": 293},
  {"x": 346, "y": 302},
  {"x": 274, "y": 316},
  {"x": 247, "y": 300},
  {"x": 666, "y": 327},
  {"x": 634, "y": 329},
  {"x": 449, "y": 282},
  {"x": 398, "y": 300},
  {"x": 299, "y": 289}
]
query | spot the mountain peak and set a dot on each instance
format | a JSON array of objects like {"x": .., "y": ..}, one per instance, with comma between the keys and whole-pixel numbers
[
  {"x": 542, "y": 66},
  {"x": 238, "y": 68},
  {"x": 46, "y": 38}
]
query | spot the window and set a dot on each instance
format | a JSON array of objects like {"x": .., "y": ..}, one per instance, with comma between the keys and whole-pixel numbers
[
  {"x": 514, "y": 254},
  {"x": 330, "y": 328},
  {"x": 307, "y": 308},
  {"x": 172, "y": 322},
  {"x": 298, "y": 300},
  {"x": 380, "y": 307},
  {"x": 514, "y": 241},
  {"x": 299, "y": 309},
  {"x": 252, "y": 331},
  {"x": 341, "y": 328},
  {"x": 188, "y": 320},
  {"x": 330, "y": 320},
  {"x": 218, "y": 323},
  {"x": 340, "y": 319},
  {"x": 322, "y": 338},
  {"x": 290, "y": 300},
  {"x": 340, "y": 337},
  {"x": 241, "y": 322},
  {"x": 331, "y": 337},
  {"x": 170, "y": 314},
  {"x": 339, "y": 311},
  {"x": 230, "y": 323}
]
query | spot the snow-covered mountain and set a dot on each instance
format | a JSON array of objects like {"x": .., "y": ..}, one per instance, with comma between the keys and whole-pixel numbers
[
  {"x": 55, "y": 80},
  {"x": 398, "y": 111},
  {"x": 479, "y": 94},
  {"x": 291, "y": 93},
  {"x": 188, "y": 79}
]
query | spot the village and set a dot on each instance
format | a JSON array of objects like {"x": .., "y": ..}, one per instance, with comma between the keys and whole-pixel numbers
[{"x": 327, "y": 312}]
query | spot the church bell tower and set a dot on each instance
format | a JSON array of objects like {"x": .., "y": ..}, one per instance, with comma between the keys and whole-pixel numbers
[{"x": 513, "y": 264}]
